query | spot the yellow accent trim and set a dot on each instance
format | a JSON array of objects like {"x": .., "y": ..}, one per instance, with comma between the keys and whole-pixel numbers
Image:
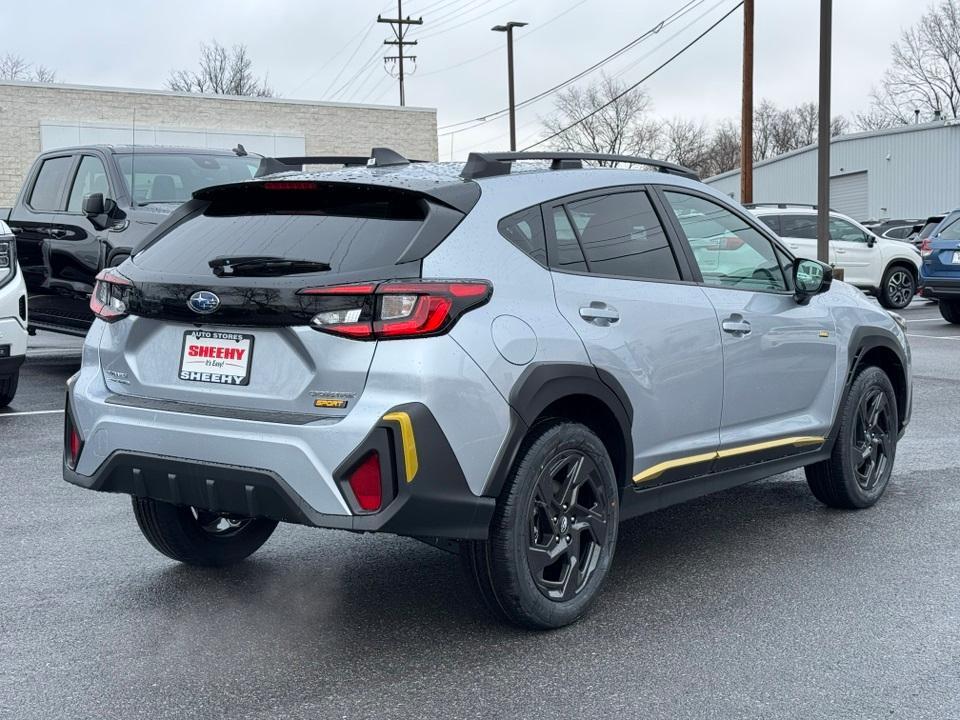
[
  {"x": 329, "y": 403},
  {"x": 409, "y": 443},
  {"x": 660, "y": 468}
]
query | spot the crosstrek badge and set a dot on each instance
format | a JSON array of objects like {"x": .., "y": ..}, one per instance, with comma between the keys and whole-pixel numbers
[{"x": 216, "y": 357}]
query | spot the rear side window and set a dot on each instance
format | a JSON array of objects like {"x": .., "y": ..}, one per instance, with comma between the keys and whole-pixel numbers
[
  {"x": 525, "y": 230},
  {"x": 49, "y": 185},
  {"x": 927, "y": 229},
  {"x": 950, "y": 230},
  {"x": 569, "y": 256},
  {"x": 351, "y": 230},
  {"x": 621, "y": 235},
  {"x": 799, "y": 226}
]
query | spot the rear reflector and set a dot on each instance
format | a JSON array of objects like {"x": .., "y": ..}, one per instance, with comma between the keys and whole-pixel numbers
[
  {"x": 73, "y": 443},
  {"x": 365, "y": 483}
]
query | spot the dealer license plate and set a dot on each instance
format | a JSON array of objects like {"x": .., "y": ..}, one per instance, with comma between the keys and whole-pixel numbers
[
  {"x": 956, "y": 258},
  {"x": 216, "y": 357}
]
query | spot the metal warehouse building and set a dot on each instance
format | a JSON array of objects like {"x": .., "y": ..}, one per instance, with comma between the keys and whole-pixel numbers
[
  {"x": 36, "y": 117},
  {"x": 905, "y": 172}
]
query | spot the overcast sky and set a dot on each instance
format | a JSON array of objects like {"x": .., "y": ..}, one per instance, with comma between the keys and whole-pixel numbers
[{"x": 323, "y": 50}]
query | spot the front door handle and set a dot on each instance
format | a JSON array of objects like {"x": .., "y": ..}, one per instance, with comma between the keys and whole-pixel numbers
[
  {"x": 736, "y": 325},
  {"x": 840, "y": 251},
  {"x": 599, "y": 313}
]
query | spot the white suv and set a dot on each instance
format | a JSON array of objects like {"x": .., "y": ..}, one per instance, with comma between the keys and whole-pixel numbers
[
  {"x": 883, "y": 267},
  {"x": 13, "y": 316}
]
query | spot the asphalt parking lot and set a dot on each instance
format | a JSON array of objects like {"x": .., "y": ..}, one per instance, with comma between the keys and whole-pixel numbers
[{"x": 755, "y": 603}]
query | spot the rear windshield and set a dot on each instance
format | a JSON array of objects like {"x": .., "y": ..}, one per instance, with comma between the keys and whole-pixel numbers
[
  {"x": 348, "y": 235},
  {"x": 928, "y": 228}
]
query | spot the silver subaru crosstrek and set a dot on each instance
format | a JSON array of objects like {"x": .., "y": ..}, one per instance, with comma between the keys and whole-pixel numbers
[{"x": 504, "y": 358}]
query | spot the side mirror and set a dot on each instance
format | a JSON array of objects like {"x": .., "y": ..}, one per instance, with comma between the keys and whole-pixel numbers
[
  {"x": 92, "y": 204},
  {"x": 810, "y": 278},
  {"x": 871, "y": 240}
]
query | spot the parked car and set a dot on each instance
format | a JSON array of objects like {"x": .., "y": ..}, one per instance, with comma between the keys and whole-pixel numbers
[
  {"x": 82, "y": 209},
  {"x": 504, "y": 364},
  {"x": 883, "y": 228},
  {"x": 940, "y": 271},
  {"x": 928, "y": 226},
  {"x": 886, "y": 268},
  {"x": 905, "y": 233},
  {"x": 13, "y": 317}
]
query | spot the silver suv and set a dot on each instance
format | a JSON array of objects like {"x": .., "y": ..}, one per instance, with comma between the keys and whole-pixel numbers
[{"x": 503, "y": 358}]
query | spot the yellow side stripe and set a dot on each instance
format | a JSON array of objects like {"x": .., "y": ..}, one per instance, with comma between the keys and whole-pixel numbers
[
  {"x": 657, "y": 470},
  {"x": 410, "y": 461}
]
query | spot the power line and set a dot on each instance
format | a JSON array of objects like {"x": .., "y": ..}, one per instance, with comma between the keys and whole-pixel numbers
[
  {"x": 676, "y": 15},
  {"x": 497, "y": 49},
  {"x": 467, "y": 22},
  {"x": 642, "y": 80}
]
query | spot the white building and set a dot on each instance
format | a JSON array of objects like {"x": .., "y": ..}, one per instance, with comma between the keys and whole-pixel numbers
[
  {"x": 36, "y": 117},
  {"x": 905, "y": 172}
]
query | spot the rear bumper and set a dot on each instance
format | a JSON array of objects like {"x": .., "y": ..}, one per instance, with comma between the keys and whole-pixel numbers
[
  {"x": 436, "y": 502},
  {"x": 940, "y": 287}
]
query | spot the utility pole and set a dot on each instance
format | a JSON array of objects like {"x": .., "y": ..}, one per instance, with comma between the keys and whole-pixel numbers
[
  {"x": 508, "y": 29},
  {"x": 823, "y": 134},
  {"x": 746, "y": 107},
  {"x": 399, "y": 25}
]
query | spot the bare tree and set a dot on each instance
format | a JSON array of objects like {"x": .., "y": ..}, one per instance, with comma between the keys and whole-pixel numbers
[
  {"x": 14, "y": 67},
  {"x": 221, "y": 72},
  {"x": 724, "y": 152},
  {"x": 686, "y": 142},
  {"x": 924, "y": 74},
  {"x": 616, "y": 125}
]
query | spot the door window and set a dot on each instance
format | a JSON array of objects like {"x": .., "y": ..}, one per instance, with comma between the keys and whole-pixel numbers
[
  {"x": 846, "y": 231},
  {"x": 621, "y": 235},
  {"x": 568, "y": 255},
  {"x": 91, "y": 178},
  {"x": 727, "y": 249},
  {"x": 46, "y": 190},
  {"x": 803, "y": 227},
  {"x": 772, "y": 222}
]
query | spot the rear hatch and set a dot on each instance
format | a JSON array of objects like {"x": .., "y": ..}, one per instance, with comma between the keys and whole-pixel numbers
[
  {"x": 942, "y": 251},
  {"x": 217, "y": 316}
]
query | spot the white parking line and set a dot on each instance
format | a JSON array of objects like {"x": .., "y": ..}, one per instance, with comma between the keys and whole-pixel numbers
[
  {"x": 940, "y": 320},
  {"x": 30, "y": 412},
  {"x": 935, "y": 337}
]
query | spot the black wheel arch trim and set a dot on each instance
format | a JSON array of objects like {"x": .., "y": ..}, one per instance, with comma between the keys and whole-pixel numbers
[
  {"x": 542, "y": 384},
  {"x": 862, "y": 341}
]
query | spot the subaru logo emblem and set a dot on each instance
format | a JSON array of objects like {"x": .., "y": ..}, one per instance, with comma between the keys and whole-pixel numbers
[{"x": 203, "y": 302}]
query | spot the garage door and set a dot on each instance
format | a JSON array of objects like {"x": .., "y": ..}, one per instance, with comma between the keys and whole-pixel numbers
[{"x": 848, "y": 195}]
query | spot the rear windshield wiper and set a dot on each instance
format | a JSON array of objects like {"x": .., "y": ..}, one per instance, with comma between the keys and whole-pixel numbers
[{"x": 264, "y": 265}]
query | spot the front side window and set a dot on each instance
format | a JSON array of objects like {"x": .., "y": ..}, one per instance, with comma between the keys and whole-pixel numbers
[
  {"x": 621, "y": 235},
  {"x": 91, "y": 178},
  {"x": 49, "y": 185},
  {"x": 727, "y": 249},
  {"x": 841, "y": 230},
  {"x": 154, "y": 178}
]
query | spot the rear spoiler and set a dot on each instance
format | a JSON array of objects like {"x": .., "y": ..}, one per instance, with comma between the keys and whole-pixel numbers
[{"x": 379, "y": 157}]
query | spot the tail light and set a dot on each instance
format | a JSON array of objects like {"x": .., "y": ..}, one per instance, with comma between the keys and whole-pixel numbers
[
  {"x": 72, "y": 442},
  {"x": 110, "y": 294},
  {"x": 365, "y": 483},
  {"x": 395, "y": 310},
  {"x": 925, "y": 248}
]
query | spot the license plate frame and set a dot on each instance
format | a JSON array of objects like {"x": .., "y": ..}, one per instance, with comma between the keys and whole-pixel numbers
[{"x": 216, "y": 368}]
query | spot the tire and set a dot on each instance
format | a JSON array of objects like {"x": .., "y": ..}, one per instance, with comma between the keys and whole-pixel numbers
[
  {"x": 898, "y": 287},
  {"x": 847, "y": 479},
  {"x": 184, "y": 534},
  {"x": 950, "y": 310},
  {"x": 512, "y": 570},
  {"x": 8, "y": 388}
]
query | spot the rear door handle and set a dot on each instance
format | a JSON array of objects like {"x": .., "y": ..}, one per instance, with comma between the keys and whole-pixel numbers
[
  {"x": 599, "y": 313},
  {"x": 736, "y": 325}
]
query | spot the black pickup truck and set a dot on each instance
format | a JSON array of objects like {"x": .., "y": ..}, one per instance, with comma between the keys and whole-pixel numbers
[{"x": 82, "y": 209}]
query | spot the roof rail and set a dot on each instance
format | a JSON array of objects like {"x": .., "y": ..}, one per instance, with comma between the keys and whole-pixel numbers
[
  {"x": 481, "y": 165},
  {"x": 379, "y": 157},
  {"x": 783, "y": 206}
]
